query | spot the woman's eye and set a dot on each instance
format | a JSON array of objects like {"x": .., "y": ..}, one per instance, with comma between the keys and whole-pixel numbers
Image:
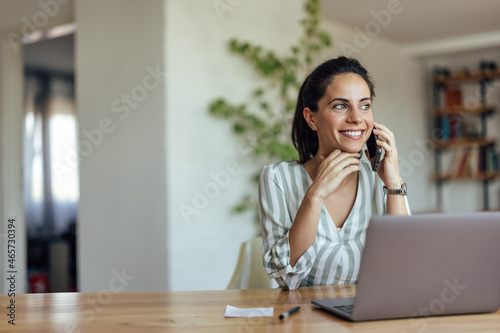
[
  {"x": 366, "y": 107},
  {"x": 340, "y": 106}
]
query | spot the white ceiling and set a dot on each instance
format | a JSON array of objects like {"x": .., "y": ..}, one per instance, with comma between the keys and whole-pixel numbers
[
  {"x": 14, "y": 13},
  {"x": 421, "y": 21},
  {"x": 422, "y": 27},
  {"x": 53, "y": 55}
]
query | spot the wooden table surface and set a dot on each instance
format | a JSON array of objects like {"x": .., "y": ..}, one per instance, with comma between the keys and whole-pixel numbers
[{"x": 203, "y": 311}]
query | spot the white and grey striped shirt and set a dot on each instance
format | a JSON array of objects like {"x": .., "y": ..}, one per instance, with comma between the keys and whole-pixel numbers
[{"x": 335, "y": 256}]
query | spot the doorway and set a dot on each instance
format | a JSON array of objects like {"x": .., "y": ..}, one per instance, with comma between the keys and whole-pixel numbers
[{"x": 50, "y": 165}]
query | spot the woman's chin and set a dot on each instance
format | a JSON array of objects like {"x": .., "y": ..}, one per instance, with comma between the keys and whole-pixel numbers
[{"x": 352, "y": 149}]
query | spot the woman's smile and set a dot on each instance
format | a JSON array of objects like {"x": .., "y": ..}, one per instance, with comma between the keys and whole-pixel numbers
[{"x": 353, "y": 134}]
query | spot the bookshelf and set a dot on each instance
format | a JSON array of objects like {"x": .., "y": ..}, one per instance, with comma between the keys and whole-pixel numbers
[{"x": 460, "y": 128}]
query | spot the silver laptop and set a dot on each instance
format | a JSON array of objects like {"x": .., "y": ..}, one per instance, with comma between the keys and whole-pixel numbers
[{"x": 425, "y": 265}]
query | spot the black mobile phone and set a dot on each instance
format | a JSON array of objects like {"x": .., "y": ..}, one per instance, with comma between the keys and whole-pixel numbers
[{"x": 374, "y": 151}]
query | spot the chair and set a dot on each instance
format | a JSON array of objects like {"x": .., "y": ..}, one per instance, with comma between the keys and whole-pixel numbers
[{"x": 250, "y": 272}]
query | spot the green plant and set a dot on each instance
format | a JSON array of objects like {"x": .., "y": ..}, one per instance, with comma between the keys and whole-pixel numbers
[{"x": 265, "y": 129}]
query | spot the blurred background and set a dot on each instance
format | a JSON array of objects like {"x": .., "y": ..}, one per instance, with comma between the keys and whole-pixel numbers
[{"x": 120, "y": 179}]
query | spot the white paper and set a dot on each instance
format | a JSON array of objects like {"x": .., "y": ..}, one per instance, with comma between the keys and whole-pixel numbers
[{"x": 231, "y": 311}]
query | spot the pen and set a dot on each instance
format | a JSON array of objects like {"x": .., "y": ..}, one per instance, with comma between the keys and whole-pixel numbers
[{"x": 289, "y": 312}]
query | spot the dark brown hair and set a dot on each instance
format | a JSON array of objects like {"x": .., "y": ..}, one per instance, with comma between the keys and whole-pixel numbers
[{"x": 312, "y": 91}]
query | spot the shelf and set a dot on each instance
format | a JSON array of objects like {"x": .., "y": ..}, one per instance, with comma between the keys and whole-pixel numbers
[
  {"x": 455, "y": 121},
  {"x": 484, "y": 175},
  {"x": 462, "y": 109},
  {"x": 463, "y": 142},
  {"x": 473, "y": 77}
]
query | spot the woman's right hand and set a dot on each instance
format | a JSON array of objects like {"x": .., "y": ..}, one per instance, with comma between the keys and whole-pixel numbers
[{"x": 332, "y": 171}]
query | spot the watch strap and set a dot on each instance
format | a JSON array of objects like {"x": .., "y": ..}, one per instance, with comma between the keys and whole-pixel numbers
[{"x": 399, "y": 191}]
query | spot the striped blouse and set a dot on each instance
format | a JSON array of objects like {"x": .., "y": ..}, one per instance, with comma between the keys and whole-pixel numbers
[{"x": 335, "y": 256}]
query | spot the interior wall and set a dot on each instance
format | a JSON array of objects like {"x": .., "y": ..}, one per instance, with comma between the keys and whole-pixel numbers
[
  {"x": 12, "y": 225},
  {"x": 120, "y": 78},
  {"x": 203, "y": 154}
]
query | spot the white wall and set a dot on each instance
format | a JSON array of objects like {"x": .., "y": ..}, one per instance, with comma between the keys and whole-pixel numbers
[
  {"x": 122, "y": 216},
  {"x": 204, "y": 247},
  {"x": 467, "y": 196},
  {"x": 11, "y": 208}
]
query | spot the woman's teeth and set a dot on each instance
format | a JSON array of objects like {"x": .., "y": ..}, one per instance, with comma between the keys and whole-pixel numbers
[{"x": 352, "y": 133}]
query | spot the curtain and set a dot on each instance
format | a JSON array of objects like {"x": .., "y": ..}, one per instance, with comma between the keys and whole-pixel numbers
[{"x": 50, "y": 174}]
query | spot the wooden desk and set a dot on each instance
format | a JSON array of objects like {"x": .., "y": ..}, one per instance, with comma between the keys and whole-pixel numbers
[{"x": 203, "y": 311}]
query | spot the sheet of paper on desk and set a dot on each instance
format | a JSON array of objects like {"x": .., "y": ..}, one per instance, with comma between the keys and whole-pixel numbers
[{"x": 231, "y": 311}]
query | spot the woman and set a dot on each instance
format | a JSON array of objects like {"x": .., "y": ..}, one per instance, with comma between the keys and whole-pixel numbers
[{"x": 314, "y": 212}]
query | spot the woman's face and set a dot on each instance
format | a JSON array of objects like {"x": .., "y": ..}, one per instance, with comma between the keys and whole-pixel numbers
[{"x": 344, "y": 119}]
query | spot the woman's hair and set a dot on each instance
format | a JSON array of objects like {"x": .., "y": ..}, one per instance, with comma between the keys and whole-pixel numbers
[{"x": 312, "y": 91}]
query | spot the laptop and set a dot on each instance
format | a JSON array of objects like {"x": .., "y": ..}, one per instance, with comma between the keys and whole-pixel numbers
[{"x": 425, "y": 265}]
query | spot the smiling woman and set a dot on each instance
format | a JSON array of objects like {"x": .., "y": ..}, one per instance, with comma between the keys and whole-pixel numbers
[
  {"x": 314, "y": 212},
  {"x": 344, "y": 118}
]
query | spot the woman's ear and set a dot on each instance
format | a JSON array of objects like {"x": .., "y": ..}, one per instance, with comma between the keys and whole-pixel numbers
[{"x": 310, "y": 118}]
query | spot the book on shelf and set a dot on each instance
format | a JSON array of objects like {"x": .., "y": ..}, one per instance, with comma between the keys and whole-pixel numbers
[
  {"x": 455, "y": 165},
  {"x": 483, "y": 158},
  {"x": 491, "y": 160},
  {"x": 455, "y": 124},
  {"x": 464, "y": 162},
  {"x": 445, "y": 128},
  {"x": 474, "y": 161},
  {"x": 460, "y": 165},
  {"x": 453, "y": 97},
  {"x": 451, "y": 127}
]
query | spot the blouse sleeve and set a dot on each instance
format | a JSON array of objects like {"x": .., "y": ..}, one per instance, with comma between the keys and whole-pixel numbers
[{"x": 276, "y": 221}]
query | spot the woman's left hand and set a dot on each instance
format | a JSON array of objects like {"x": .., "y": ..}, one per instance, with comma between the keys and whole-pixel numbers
[{"x": 388, "y": 169}]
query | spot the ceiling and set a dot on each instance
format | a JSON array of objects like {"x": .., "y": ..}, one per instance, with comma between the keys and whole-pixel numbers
[
  {"x": 14, "y": 13},
  {"x": 420, "y": 21},
  {"x": 52, "y": 55},
  {"x": 421, "y": 26}
]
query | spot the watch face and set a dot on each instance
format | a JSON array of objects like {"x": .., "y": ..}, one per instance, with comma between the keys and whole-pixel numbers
[{"x": 402, "y": 191}]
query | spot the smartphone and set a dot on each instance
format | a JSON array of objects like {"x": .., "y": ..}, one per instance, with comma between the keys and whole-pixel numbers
[{"x": 374, "y": 151}]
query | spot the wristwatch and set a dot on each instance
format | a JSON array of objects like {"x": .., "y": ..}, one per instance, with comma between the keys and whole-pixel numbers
[{"x": 401, "y": 191}]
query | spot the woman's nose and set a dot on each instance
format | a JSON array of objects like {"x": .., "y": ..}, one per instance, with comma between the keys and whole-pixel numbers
[{"x": 354, "y": 116}]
